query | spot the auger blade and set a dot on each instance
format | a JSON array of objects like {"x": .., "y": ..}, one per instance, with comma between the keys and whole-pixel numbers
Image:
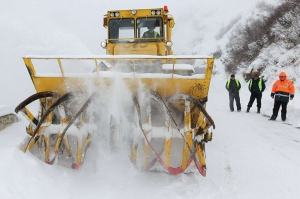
[
  {"x": 194, "y": 119},
  {"x": 26, "y": 112},
  {"x": 48, "y": 111},
  {"x": 81, "y": 148},
  {"x": 166, "y": 144}
]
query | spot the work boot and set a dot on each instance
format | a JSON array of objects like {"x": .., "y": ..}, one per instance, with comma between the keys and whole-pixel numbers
[
  {"x": 258, "y": 110},
  {"x": 248, "y": 109},
  {"x": 272, "y": 118}
]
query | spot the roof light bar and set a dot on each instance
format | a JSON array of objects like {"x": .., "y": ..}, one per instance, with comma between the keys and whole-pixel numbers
[
  {"x": 155, "y": 12},
  {"x": 114, "y": 14}
]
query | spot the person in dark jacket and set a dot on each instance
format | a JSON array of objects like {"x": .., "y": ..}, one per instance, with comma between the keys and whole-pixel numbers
[
  {"x": 256, "y": 87},
  {"x": 233, "y": 87}
]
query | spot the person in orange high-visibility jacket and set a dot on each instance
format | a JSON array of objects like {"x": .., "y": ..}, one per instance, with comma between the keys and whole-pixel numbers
[{"x": 283, "y": 90}]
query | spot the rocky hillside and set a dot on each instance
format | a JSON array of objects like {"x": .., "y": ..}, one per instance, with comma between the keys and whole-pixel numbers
[{"x": 268, "y": 42}]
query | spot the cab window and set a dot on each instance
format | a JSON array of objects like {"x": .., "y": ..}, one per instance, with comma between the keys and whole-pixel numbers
[
  {"x": 121, "y": 30},
  {"x": 149, "y": 27}
]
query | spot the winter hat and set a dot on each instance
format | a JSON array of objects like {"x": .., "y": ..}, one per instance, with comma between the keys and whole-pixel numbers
[
  {"x": 282, "y": 74},
  {"x": 232, "y": 75}
]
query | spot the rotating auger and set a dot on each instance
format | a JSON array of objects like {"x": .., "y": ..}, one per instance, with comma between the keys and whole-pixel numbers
[
  {"x": 162, "y": 134},
  {"x": 56, "y": 116}
]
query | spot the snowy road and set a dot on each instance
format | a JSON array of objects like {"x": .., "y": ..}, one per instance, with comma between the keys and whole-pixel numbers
[{"x": 251, "y": 157}]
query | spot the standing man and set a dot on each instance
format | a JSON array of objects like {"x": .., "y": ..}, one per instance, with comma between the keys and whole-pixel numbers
[
  {"x": 233, "y": 86},
  {"x": 256, "y": 87},
  {"x": 282, "y": 91}
]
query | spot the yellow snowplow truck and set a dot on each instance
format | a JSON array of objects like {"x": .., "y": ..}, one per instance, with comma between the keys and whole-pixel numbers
[{"x": 138, "y": 98}]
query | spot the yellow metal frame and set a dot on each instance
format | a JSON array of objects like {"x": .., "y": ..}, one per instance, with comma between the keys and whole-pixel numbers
[{"x": 165, "y": 87}]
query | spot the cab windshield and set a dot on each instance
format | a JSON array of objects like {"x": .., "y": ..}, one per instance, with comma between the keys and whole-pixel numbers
[
  {"x": 147, "y": 29},
  {"x": 121, "y": 30}
]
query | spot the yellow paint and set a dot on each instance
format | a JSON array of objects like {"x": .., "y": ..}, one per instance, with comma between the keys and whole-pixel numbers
[
  {"x": 146, "y": 154},
  {"x": 133, "y": 151},
  {"x": 198, "y": 88},
  {"x": 67, "y": 146},
  {"x": 47, "y": 148},
  {"x": 201, "y": 155},
  {"x": 29, "y": 114},
  {"x": 187, "y": 147},
  {"x": 58, "y": 140},
  {"x": 79, "y": 150},
  {"x": 167, "y": 151}
]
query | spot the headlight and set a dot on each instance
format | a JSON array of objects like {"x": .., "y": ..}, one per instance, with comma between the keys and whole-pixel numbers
[
  {"x": 117, "y": 14},
  {"x": 133, "y": 12},
  {"x": 112, "y": 14},
  {"x": 169, "y": 43},
  {"x": 103, "y": 44},
  {"x": 155, "y": 12}
]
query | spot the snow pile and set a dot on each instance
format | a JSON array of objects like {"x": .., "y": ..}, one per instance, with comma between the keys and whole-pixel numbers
[{"x": 5, "y": 110}]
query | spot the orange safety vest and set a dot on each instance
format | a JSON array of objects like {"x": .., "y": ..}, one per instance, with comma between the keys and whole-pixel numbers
[
  {"x": 283, "y": 86},
  {"x": 283, "y": 90}
]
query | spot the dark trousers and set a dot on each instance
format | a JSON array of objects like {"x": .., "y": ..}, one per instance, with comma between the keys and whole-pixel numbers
[
  {"x": 256, "y": 96},
  {"x": 236, "y": 97},
  {"x": 277, "y": 105}
]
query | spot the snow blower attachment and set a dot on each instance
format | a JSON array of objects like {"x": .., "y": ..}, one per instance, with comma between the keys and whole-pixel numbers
[{"x": 155, "y": 103}]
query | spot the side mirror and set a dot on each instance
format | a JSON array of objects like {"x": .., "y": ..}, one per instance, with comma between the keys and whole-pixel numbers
[
  {"x": 105, "y": 22},
  {"x": 171, "y": 23}
]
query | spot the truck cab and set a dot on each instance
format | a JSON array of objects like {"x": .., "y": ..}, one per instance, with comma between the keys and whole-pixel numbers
[{"x": 139, "y": 32}]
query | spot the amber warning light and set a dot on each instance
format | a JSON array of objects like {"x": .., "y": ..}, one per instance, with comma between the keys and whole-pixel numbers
[
  {"x": 166, "y": 9},
  {"x": 104, "y": 21}
]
